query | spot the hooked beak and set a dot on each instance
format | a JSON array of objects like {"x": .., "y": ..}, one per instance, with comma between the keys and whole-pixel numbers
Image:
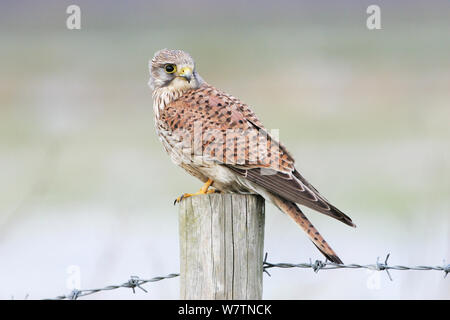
[{"x": 186, "y": 73}]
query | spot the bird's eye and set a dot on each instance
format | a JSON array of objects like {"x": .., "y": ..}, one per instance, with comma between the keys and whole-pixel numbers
[{"x": 170, "y": 68}]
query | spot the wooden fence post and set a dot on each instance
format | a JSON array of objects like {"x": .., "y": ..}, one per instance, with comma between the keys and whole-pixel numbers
[{"x": 221, "y": 246}]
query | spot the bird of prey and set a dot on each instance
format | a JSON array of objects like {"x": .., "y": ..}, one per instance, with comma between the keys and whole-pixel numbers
[{"x": 218, "y": 139}]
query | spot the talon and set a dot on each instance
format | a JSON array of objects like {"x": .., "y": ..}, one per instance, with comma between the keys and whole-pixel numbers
[
  {"x": 203, "y": 190},
  {"x": 184, "y": 195}
]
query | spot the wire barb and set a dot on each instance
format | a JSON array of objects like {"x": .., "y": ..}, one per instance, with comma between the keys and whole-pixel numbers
[
  {"x": 136, "y": 282},
  {"x": 446, "y": 269},
  {"x": 317, "y": 265},
  {"x": 384, "y": 266},
  {"x": 266, "y": 265},
  {"x": 74, "y": 294}
]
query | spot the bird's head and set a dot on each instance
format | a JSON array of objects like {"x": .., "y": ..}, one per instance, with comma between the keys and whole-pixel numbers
[{"x": 173, "y": 69}]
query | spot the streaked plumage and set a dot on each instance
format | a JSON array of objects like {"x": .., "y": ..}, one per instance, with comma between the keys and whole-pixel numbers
[{"x": 215, "y": 136}]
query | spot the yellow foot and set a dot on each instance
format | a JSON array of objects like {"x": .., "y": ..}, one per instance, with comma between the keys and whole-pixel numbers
[{"x": 203, "y": 190}]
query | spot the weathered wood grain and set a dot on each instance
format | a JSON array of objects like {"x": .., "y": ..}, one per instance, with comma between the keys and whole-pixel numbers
[{"x": 221, "y": 246}]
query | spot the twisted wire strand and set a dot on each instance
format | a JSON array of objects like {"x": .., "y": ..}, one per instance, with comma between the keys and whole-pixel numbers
[
  {"x": 133, "y": 283},
  {"x": 136, "y": 282}
]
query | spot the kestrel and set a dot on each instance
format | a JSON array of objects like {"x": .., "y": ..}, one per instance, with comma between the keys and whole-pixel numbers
[{"x": 218, "y": 139}]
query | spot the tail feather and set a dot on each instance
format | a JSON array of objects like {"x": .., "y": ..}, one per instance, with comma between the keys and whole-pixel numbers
[{"x": 291, "y": 209}]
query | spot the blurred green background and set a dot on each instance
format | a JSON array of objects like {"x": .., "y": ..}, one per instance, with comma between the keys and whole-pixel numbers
[{"x": 85, "y": 182}]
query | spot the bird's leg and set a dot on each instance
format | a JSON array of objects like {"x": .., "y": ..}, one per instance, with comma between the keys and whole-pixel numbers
[
  {"x": 205, "y": 187},
  {"x": 203, "y": 190}
]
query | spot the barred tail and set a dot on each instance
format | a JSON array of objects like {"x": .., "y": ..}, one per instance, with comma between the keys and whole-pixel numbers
[{"x": 297, "y": 215}]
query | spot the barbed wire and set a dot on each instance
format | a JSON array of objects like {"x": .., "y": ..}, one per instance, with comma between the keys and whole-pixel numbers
[
  {"x": 136, "y": 282},
  {"x": 133, "y": 283},
  {"x": 378, "y": 266}
]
